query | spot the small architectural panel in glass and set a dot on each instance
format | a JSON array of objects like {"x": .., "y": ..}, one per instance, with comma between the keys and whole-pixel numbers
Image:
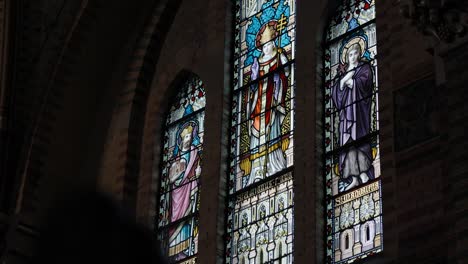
[{"x": 260, "y": 224}]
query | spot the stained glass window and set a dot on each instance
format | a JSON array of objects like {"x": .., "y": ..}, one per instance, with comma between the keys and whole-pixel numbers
[
  {"x": 260, "y": 206},
  {"x": 181, "y": 169},
  {"x": 352, "y": 159}
]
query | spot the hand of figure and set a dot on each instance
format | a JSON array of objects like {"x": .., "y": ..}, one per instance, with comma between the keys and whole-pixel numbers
[
  {"x": 342, "y": 84},
  {"x": 347, "y": 80},
  {"x": 349, "y": 76}
]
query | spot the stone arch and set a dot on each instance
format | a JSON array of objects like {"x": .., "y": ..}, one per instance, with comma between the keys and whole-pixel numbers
[
  {"x": 67, "y": 88},
  {"x": 128, "y": 120},
  {"x": 201, "y": 49}
]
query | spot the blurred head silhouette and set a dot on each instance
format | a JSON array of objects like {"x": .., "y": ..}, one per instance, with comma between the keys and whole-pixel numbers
[{"x": 91, "y": 227}]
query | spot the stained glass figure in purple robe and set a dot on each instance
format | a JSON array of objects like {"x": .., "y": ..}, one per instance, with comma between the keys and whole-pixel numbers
[{"x": 352, "y": 97}]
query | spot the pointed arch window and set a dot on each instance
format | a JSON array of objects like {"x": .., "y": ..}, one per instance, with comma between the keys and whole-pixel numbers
[
  {"x": 260, "y": 194},
  {"x": 352, "y": 155},
  {"x": 180, "y": 172}
]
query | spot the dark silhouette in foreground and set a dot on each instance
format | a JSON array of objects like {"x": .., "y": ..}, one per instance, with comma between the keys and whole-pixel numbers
[{"x": 92, "y": 228}]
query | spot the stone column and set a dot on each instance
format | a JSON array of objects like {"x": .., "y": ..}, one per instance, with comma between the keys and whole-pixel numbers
[
  {"x": 455, "y": 112},
  {"x": 5, "y": 18}
]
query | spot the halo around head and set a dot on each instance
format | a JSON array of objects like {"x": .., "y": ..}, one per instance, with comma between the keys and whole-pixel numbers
[
  {"x": 355, "y": 40},
  {"x": 266, "y": 33},
  {"x": 190, "y": 126}
]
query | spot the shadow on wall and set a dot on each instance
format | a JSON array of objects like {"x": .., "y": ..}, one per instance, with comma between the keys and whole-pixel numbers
[{"x": 92, "y": 227}]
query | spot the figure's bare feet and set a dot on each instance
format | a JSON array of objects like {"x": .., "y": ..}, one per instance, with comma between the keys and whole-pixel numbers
[
  {"x": 353, "y": 184},
  {"x": 364, "y": 177}
]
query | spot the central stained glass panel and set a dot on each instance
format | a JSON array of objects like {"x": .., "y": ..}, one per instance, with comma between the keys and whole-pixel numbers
[{"x": 260, "y": 213}]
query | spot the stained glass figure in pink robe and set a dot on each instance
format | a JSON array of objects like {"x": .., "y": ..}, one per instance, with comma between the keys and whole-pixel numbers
[{"x": 183, "y": 175}]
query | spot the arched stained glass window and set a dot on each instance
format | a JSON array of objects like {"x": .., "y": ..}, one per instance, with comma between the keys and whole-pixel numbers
[
  {"x": 260, "y": 200},
  {"x": 181, "y": 168},
  {"x": 352, "y": 159}
]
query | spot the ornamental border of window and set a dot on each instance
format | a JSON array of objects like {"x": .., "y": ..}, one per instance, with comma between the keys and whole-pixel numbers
[
  {"x": 373, "y": 135},
  {"x": 179, "y": 83}
]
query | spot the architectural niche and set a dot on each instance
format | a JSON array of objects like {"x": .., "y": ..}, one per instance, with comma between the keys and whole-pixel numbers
[{"x": 416, "y": 118}]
